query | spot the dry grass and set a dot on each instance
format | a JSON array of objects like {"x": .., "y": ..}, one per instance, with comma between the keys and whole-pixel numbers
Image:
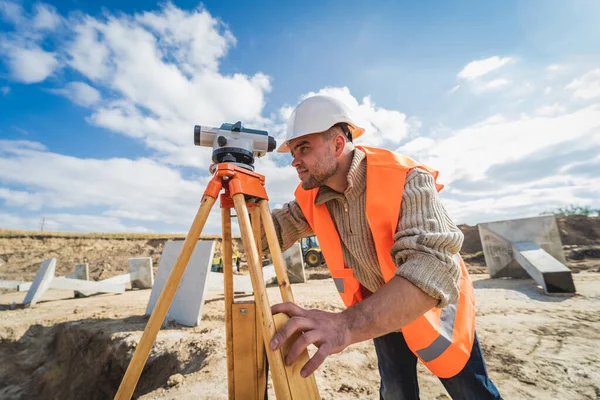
[{"x": 15, "y": 233}]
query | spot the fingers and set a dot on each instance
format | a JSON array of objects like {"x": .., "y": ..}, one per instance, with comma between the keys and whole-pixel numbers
[
  {"x": 315, "y": 362},
  {"x": 293, "y": 325},
  {"x": 300, "y": 345},
  {"x": 288, "y": 308}
]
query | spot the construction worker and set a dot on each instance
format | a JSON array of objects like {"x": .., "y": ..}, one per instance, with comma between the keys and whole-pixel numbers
[
  {"x": 236, "y": 260},
  {"x": 392, "y": 251}
]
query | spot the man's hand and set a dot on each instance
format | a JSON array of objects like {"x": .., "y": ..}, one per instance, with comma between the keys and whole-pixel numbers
[{"x": 327, "y": 331}]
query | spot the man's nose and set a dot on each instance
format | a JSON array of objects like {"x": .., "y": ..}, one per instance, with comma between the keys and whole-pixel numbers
[{"x": 295, "y": 162}]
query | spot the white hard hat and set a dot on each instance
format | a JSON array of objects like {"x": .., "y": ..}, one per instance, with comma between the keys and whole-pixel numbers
[{"x": 318, "y": 114}]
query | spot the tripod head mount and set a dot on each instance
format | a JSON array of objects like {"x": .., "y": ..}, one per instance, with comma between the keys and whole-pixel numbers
[{"x": 234, "y": 144}]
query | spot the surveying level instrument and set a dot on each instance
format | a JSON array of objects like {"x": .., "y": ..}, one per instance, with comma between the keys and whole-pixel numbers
[
  {"x": 234, "y": 144},
  {"x": 239, "y": 187}
]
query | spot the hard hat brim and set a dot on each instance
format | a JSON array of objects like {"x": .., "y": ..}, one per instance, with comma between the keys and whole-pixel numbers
[{"x": 356, "y": 133}]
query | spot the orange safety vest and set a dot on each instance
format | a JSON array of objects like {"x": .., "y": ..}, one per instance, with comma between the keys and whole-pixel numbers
[{"x": 441, "y": 338}]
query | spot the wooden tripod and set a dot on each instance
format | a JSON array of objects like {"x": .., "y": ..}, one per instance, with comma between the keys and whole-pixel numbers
[{"x": 243, "y": 189}]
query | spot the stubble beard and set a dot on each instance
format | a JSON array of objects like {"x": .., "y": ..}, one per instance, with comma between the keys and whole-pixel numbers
[{"x": 319, "y": 178}]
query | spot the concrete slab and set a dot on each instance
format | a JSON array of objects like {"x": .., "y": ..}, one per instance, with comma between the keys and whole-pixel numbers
[
  {"x": 546, "y": 270},
  {"x": 188, "y": 302},
  {"x": 86, "y": 286},
  {"x": 497, "y": 238},
  {"x": 11, "y": 284},
  {"x": 124, "y": 279},
  {"x": 142, "y": 276},
  {"x": 294, "y": 263},
  {"x": 41, "y": 282}
]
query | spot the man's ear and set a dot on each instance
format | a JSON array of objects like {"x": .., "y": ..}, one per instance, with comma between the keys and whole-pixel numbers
[{"x": 340, "y": 145}]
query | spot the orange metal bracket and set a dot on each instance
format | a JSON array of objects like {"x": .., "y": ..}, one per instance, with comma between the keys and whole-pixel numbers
[{"x": 236, "y": 180}]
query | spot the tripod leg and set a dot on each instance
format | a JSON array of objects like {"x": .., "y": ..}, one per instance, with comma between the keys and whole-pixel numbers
[
  {"x": 163, "y": 303},
  {"x": 301, "y": 388},
  {"x": 282, "y": 390},
  {"x": 278, "y": 261},
  {"x": 262, "y": 364},
  {"x": 226, "y": 250}
]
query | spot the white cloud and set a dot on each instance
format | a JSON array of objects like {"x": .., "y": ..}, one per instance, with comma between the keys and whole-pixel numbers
[
  {"x": 87, "y": 53},
  {"x": 18, "y": 198},
  {"x": 417, "y": 147},
  {"x": 549, "y": 110},
  {"x": 46, "y": 17},
  {"x": 58, "y": 182},
  {"x": 469, "y": 152},
  {"x": 496, "y": 84},
  {"x": 12, "y": 12},
  {"x": 196, "y": 37},
  {"x": 587, "y": 86},
  {"x": 5, "y": 90},
  {"x": 30, "y": 65},
  {"x": 162, "y": 67},
  {"x": 476, "y": 69},
  {"x": 524, "y": 202},
  {"x": 555, "y": 67},
  {"x": 79, "y": 93},
  {"x": 26, "y": 58},
  {"x": 548, "y": 90},
  {"x": 454, "y": 89}
]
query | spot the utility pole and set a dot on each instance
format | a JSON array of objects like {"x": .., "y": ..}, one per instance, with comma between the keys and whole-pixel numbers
[{"x": 43, "y": 221}]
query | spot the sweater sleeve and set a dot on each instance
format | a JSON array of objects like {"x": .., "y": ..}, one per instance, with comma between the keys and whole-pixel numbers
[
  {"x": 290, "y": 226},
  {"x": 426, "y": 239}
]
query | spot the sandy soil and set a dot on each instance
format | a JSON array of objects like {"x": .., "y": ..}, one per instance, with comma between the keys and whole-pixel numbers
[{"x": 536, "y": 346}]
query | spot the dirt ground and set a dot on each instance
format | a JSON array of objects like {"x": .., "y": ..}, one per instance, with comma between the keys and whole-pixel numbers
[{"x": 536, "y": 346}]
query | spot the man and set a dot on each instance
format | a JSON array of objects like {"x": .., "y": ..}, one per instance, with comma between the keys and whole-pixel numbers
[{"x": 392, "y": 251}]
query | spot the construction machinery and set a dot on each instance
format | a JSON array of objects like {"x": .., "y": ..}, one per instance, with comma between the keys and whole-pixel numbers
[{"x": 311, "y": 251}]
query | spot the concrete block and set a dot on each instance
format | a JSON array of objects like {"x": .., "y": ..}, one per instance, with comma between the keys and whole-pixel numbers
[
  {"x": 41, "y": 282},
  {"x": 294, "y": 263},
  {"x": 497, "y": 238},
  {"x": 546, "y": 270},
  {"x": 142, "y": 276},
  {"x": 82, "y": 271},
  {"x": 188, "y": 302},
  {"x": 498, "y": 254}
]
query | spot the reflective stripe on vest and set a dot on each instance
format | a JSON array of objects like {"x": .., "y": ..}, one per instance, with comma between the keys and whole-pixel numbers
[
  {"x": 339, "y": 284},
  {"x": 444, "y": 340},
  {"x": 441, "y": 339}
]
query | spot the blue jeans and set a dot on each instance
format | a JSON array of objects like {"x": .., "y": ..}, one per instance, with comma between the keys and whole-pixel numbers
[{"x": 398, "y": 371}]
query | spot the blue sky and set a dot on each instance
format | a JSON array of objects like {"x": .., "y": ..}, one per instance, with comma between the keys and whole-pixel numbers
[{"x": 98, "y": 100}]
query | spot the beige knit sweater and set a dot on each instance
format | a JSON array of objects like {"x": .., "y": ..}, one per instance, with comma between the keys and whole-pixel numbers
[{"x": 425, "y": 240}]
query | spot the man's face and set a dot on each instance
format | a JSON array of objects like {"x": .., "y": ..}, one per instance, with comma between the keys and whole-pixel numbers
[{"x": 314, "y": 159}]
